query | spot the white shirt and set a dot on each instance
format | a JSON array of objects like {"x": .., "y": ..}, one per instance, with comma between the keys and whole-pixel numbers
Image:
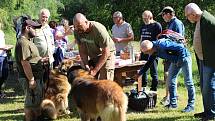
[{"x": 2, "y": 44}]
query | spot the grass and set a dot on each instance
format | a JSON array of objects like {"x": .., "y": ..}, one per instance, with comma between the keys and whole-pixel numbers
[{"x": 11, "y": 108}]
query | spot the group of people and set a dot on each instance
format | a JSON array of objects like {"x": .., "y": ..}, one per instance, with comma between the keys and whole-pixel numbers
[
  {"x": 91, "y": 34},
  {"x": 61, "y": 40},
  {"x": 177, "y": 57},
  {"x": 39, "y": 41},
  {"x": 180, "y": 59}
]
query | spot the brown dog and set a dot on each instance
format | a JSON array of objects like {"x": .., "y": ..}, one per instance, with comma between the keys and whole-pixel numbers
[
  {"x": 97, "y": 98},
  {"x": 55, "y": 102}
]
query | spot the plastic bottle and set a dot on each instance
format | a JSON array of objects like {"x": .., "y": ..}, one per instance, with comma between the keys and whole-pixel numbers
[{"x": 131, "y": 52}]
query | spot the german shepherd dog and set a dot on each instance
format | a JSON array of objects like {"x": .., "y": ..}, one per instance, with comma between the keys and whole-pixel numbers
[
  {"x": 96, "y": 99},
  {"x": 55, "y": 102}
]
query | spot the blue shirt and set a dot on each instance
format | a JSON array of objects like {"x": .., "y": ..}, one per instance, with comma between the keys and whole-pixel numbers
[
  {"x": 170, "y": 50},
  {"x": 177, "y": 26},
  {"x": 166, "y": 49}
]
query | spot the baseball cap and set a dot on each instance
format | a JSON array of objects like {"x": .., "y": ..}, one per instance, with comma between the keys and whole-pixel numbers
[
  {"x": 167, "y": 9},
  {"x": 32, "y": 23},
  {"x": 117, "y": 14}
]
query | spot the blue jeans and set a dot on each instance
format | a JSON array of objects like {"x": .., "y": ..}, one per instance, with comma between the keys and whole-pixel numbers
[
  {"x": 3, "y": 70},
  {"x": 174, "y": 69},
  {"x": 207, "y": 84},
  {"x": 58, "y": 57}
]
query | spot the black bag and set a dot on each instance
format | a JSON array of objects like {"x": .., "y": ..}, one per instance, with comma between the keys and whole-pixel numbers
[
  {"x": 138, "y": 102},
  {"x": 141, "y": 101}
]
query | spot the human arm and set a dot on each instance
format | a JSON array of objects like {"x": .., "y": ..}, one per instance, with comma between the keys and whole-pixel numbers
[
  {"x": 62, "y": 32},
  {"x": 28, "y": 73},
  {"x": 126, "y": 39},
  {"x": 130, "y": 35},
  {"x": 147, "y": 65},
  {"x": 103, "y": 58},
  {"x": 84, "y": 55},
  {"x": 6, "y": 47}
]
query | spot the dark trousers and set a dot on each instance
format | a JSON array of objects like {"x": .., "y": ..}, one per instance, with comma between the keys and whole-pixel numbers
[
  {"x": 4, "y": 70},
  {"x": 58, "y": 57},
  {"x": 153, "y": 73}
]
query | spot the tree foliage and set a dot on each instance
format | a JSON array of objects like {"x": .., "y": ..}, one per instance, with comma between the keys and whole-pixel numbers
[
  {"x": 12, "y": 8},
  {"x": 102, "y": 11}
]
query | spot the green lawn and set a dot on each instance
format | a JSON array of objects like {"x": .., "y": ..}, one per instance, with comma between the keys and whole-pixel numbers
[{"x": 11, "y": 108}]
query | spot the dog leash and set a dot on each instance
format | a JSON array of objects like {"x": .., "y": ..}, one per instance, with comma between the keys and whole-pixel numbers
[
  {"x": 47, "y": 72},
  {"x": 32, "y": 96}
]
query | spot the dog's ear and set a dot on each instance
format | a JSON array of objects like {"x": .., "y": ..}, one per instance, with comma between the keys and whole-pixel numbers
[{"x": 71, "y": 73}]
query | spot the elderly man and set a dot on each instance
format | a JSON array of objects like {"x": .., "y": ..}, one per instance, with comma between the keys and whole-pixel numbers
[
  {"x": 44, "y": 39},
  {"x": 122, "y": 32},
  {"x": 149, "y": 31},
  {"x": 94, "y": 43},
  {"x": 180, "y": 59},
  {"x": 203, "y": 43},
  {"x": 30, "y": 70}
]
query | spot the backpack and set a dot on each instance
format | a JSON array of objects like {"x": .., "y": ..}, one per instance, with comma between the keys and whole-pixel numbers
[
  {"x": 18, "y": 21},
  {"x": 172, "y": 35}
]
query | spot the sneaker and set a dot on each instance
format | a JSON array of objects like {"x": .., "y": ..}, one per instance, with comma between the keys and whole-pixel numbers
[
  {"x": 165, "y": 101},
  {"x": 188, "y": 109},
  {"x": 170, "y": 107},
  {"x": 200, "y": 115}
]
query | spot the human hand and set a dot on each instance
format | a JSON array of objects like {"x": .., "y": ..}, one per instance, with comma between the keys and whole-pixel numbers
[
  {"x": 116, "y": 39},
  {"x": 32, "y": 84},
  {"x": 45, "y": 59},
  {"x": 93, "y": 72}
]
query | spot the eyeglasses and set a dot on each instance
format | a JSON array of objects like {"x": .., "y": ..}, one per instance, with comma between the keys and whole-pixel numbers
[{"x": 188, "y": 15}]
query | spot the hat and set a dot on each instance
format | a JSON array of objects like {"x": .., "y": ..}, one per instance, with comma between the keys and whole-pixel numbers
[
  {"x": 32, "y": 23},
  {"x": 117, "y": 14},
  {"x": 167, "y": 9}
]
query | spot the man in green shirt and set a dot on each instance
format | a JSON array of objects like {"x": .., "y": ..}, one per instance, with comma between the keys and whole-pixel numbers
[
  {"x": 30, "y": 70},
  {"x": 96, "y": 45}
]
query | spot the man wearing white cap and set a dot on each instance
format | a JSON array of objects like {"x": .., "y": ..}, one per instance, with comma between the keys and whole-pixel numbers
[
  {"x": 168, "y": 14},
  {"x": 122, "y": 32}
]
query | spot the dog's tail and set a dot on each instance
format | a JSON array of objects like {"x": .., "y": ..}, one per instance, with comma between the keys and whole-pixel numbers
[
  {"x": 120, "y": 114},
  {"x": 48, "y": 109},
  {"x": 123, "y": 108},
  {"x": 115, "y": 112}
]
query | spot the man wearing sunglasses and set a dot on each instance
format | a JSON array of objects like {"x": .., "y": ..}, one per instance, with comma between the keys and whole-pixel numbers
[
  {"x": 174, "y": 24},
  {"x": 30, "y": 69}
]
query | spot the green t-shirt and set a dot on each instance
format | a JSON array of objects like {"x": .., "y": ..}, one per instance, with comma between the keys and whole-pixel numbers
[
  {"x": 26, "y": 50},
  {"x": 96, "y": 39}
]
